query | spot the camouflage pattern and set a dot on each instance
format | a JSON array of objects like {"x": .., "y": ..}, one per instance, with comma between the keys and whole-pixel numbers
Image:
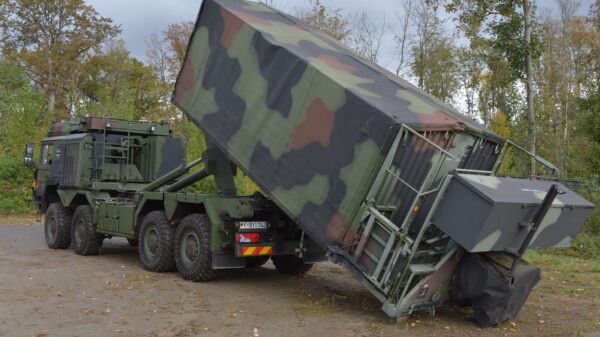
[
  {"x": 487, "y": 213},
  {"x": 102, "y": 154},
  {"x": 359, "y": 158},
  {"x": 305, "y": 118},
  {"x": 126, "y": 169}
]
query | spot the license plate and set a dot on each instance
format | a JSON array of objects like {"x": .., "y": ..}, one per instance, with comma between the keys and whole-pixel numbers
[{"x": 253, "y": 225}]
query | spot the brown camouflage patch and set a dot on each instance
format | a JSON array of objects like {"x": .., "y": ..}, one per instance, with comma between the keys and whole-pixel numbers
[
  {"x": 336, "y": 228},
  {"x": 232, "y": 26},
  {"x": 187, "y": 78},
  {"x": 335, "y": 63},
  {"x": 316, "y": 127}
]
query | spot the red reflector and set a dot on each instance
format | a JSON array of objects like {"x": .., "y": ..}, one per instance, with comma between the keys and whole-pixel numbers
[{"x": 247, "y": 237}]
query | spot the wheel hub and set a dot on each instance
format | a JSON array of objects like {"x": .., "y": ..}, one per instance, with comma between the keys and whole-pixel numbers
[
  {"x": 190, "y": 247},
  {"x": 152, "y": 241},
  {"x": 52, "y": 227},
  {"x": 77, "y": 232}
]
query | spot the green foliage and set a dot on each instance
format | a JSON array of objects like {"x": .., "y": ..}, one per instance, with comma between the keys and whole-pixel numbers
[
  {"x": 330, "y": 21},
  {"x": 114, "y": 84},
  {"x": 507, "y": 38},
  {"x": 49, "y": 39},
  {"x": 15, "y": 185},
  {"x": 592, "y": 121},
  {"x": 436, "y": 68},
  {"x": 20, "y": 104}
]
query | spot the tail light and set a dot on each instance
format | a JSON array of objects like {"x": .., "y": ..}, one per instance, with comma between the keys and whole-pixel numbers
[{"x": 247, "y": 237}]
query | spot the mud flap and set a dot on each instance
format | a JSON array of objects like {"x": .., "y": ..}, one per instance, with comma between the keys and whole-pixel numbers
[{"x": 484, "y": 282}]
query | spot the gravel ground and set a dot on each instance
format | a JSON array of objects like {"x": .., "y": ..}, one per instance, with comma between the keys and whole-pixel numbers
[{"x": 47, "y": 292}]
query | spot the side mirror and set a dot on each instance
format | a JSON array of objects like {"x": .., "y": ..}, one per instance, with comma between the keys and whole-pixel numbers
[{"x": 29, "y": 151}]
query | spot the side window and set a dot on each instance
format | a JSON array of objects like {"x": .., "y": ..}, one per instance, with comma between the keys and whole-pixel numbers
[
  {"x": 44, "y": 154},
  {"x": 47, "y": 154}
]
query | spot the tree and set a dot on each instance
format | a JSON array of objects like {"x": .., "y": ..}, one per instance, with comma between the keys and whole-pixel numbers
[
  {"x": 366, "y": 36},
  {"x": 434, "y": 61},
  {"x": 401, "y": 37},
  {"x": 177, "y": 36},
  {"x": 469, "y": 70},
  {"x": 531, "y": 134},
  {"x": 114, "y": 84},
  {"x": 511, "y": 34},
  {"x": 435, "y": 66},
  {"x": 157, "y": 56},
  {"x": 19, "y": 107},
  {"x": 50, "y": 39},
  {"x": 330, "y": 21}
]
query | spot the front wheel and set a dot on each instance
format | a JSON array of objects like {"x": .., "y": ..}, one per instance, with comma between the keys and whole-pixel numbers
[
  {"x": 193, "y": 257},
  {"x": 290, "y": 264},
  {"x": 57, "y": 226},
  {"x": 156, "y": 243}
]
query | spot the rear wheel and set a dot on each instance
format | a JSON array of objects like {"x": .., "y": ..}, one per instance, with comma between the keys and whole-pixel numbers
[
  {"x": 290, "y": 264},
  {"x": 192, "y": 249},
  {"x": 84, "y": 237},
  {"x": 255, "y": 262},
  {"x": 156, "y": 242},
  {"x": 57, "y": 226}
]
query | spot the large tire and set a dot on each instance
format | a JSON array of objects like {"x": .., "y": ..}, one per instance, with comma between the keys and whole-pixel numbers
[
  {"x": 57, "y": 226},
  {"x": 193, "y": 257},
  {"x": 290, "y": 264},
  {"x": 255, "y": 262},
  {"x": 85, "y": 239},
  {"x": 156, "y": 243}
]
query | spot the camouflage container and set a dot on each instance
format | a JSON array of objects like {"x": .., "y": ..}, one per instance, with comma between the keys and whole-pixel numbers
[
  {"x": 359, "y": 158},
  {"x": 309, "y": 121}
]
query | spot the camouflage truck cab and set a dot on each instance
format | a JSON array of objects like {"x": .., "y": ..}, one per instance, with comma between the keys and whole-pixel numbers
[
  {"x": 104, "y": 155},
  {"x": 396, "y": 185},
  {"x": 100, "y": 178}
]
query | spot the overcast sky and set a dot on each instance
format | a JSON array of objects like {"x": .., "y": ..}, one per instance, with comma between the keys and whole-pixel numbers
[{"x": 141, "y": 18}]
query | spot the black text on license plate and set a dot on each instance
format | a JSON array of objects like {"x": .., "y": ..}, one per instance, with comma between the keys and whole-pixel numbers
[{"x": 253, "y": 225}]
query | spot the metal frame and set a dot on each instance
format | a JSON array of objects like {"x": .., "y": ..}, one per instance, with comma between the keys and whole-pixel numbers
[
  {"x": 393, "y": 263},
  {"x": 393, "y": 270},
  {"x": 555, "y": 172}
]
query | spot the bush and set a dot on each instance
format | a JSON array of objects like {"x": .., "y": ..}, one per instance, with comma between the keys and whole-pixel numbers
[{"x": 15, "y": 185}]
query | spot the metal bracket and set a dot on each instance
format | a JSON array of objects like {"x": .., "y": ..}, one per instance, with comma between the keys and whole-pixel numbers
[{"x": 301, "y": 250}]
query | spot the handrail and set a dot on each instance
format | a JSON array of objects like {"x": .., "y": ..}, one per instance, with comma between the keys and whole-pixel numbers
[
  {"x": 428, "y": 141},
  {"x": 537, "y": 158}
]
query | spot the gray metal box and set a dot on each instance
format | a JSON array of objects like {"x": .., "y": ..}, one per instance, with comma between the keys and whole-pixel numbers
[{"x": 486, "y": 213}]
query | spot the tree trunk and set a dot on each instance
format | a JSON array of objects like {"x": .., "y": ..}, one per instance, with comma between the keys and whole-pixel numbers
[
  {"x": 51, "y": 95},
  {"x": 531, "y": 133},
  {"x": 50, "y": 89}
]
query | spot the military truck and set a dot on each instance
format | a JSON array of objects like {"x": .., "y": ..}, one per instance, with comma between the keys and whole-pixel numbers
[
  {"x": 100, "y": 178},
  {"x": 395, "y": 185}
]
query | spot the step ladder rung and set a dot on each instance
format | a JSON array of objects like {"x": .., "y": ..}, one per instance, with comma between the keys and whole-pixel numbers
[{"x": 422, "y": 269}]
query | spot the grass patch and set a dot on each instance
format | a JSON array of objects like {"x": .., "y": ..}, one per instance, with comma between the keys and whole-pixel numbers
[{"x": 567, "y": 273}]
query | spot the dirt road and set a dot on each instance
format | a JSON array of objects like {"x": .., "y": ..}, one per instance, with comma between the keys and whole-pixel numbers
[{"x": 47, "y": 292}]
